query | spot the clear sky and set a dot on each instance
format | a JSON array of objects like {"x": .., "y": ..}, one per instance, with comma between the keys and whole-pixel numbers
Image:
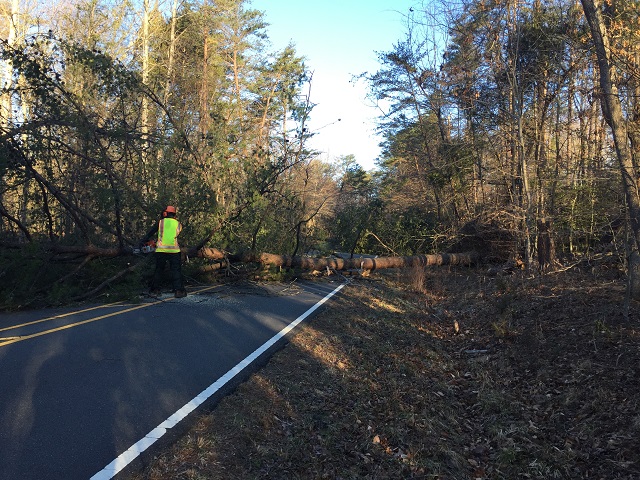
[{"x": 339, "y": 39}]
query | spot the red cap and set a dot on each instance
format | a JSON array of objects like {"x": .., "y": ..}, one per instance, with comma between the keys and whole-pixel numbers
[{"x": 170, "y": 209}]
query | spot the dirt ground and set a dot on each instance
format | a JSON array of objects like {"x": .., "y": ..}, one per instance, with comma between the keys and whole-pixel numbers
[{"x": 438, "y": 374}]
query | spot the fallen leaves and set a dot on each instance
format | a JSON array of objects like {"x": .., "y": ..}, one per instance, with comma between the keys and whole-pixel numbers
[{"x": 539, "y": 381}]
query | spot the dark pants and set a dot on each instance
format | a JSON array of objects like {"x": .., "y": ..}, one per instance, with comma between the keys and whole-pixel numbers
[{"x": 174, "y": 266}]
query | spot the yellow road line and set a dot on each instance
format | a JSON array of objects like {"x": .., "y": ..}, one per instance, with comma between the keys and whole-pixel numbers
[
  {"x": 55, "y": 317},
  {"x": 90, "y": 320}
]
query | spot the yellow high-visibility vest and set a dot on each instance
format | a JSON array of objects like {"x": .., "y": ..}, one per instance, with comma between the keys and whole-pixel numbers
[{"x": 168, "y": 231}]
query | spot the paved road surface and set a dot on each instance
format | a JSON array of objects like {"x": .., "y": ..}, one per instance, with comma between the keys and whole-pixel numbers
[{"x": 83, "y": 391}]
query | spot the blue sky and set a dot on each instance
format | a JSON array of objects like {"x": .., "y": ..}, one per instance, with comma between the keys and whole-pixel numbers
[{"x": 339, "y": 39}]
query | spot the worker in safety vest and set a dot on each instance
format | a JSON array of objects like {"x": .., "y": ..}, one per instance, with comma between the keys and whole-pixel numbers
[{"x": 167, "y": 250}]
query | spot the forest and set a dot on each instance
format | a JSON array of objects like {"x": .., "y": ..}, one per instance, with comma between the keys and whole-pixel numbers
[{"x": 511, "y": 129}]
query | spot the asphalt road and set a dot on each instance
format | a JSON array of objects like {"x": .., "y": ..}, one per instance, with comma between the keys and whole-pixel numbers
[{"x": 89, "y": 392}]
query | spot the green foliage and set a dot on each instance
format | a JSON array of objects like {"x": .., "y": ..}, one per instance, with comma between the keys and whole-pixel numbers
[
  {"x": 62, "y": 143},
  {"x": 40, "y": 279},
  {"x": 104, "y": 153},
  {"x": 357, "y": 207},
  {"x": 409, "y": 232},
  {"x": 589, "y": 216}
]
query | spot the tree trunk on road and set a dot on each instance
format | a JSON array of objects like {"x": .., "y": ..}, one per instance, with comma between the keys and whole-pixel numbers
[{"x": 307, "y": 263}]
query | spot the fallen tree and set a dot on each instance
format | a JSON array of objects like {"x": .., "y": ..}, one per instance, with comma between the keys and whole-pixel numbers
[
  {"x": 290, "y": 261},
  {"x": 362, "y": 263},
  {"x": 65, "y": 266}
]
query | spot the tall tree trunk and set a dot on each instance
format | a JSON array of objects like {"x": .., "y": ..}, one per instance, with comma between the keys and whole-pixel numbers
[
  {"x": 145, "y": 80},
  {"x": 7, "y": 81},
  {"x": 613, "y": 114},
  {"x": 520, "y": 164},
  {"x": 7, "y": 74},
  {"x": 172, "y": 52},
  {"x": 204, "y": 92}
]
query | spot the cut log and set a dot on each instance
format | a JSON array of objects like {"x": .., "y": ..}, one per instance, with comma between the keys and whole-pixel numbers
[{"x": 307, "y": 263}]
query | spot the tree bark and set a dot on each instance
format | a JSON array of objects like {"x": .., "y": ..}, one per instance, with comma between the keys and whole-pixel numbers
[
  {"x": 545, "y": 245},
  {"x": 144, "y": 127}
]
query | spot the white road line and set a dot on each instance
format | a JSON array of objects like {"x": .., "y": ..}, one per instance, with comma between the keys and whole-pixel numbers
[{"x": 141, "y": 445}]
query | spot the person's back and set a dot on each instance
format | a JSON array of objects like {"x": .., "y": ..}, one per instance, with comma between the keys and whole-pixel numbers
[
  {"x": 168, "y": 250},
  {"x": 168, "y": 230}
]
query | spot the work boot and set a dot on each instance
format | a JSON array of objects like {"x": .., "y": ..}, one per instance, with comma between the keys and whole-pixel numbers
[{"x": 181, "y": 293}]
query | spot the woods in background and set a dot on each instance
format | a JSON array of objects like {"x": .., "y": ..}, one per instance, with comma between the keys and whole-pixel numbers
[
  {"x": 497, "y": 114},
  {"x": 529, "y": 113}
]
